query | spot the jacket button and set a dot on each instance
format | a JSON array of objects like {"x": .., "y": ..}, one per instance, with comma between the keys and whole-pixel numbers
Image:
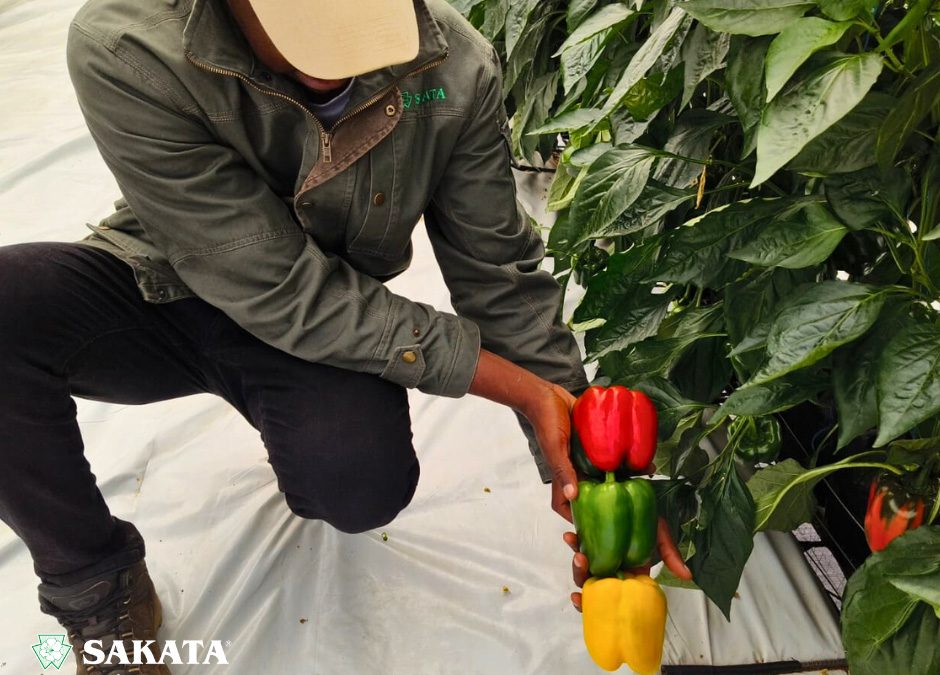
[
  {"x": 161, "y": 293},
  {"x": 390, "y": 110},
  {"x": 416, "y": 332},
  {"x": 409, "y": 357},
  {"x": 379, "y": 198}
]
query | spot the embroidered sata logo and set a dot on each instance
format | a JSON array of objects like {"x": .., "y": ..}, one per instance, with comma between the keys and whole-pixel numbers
[{"x": 413, "y": 99}]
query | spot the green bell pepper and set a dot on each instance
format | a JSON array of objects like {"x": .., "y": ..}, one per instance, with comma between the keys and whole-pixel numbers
[
  {"x": 759, "y": 438},
  {"x": 616, "y": 523}
]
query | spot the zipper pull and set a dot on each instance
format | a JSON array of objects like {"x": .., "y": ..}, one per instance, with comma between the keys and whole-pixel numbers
[{"x": 325, "y": 141}]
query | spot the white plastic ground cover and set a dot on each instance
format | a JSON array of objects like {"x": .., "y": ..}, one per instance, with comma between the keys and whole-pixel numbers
[{"x": 472, "y": 578}]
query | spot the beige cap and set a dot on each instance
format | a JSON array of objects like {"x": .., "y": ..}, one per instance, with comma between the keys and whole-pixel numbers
[{"x": 336, "y": 39}]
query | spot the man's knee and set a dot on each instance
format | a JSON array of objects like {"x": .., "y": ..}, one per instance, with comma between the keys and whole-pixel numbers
[{"x": 358, "y": 503}]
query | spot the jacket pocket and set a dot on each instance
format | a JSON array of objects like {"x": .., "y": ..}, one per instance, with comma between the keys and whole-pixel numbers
[{"x": 375, "y": 227}]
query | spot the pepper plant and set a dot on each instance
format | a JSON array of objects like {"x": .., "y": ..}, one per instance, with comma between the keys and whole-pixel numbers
[{"x": 748, "y": 190}]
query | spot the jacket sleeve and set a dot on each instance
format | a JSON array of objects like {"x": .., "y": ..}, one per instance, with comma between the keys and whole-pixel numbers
[
  {"x": 491, "y": 255},
  {"x": 191, "y": 192}
]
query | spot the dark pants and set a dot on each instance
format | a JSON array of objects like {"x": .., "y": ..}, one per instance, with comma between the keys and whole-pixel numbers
[{"x": 72, "y": 323}]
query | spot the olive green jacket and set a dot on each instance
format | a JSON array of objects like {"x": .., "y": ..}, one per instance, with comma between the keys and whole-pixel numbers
[{"x": 234, "y": 192}]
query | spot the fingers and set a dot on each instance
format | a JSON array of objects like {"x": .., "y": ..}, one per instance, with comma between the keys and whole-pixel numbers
[
  {"x": 576, "y": 600},
  {"x": 579, "y": 569},
  {"x": 579, "y": 563},
  {"x": 571, "y": 538},
  {"x": 669, "y": 553},
  {"x": 560, "y": 503},
  {"x": 564, "y": 485}
]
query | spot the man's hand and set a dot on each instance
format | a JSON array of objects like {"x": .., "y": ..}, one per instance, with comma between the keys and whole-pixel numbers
[
  {"x": 551, "y": 418},
  {"x": 547, "y": 407},
  {"x": 667, "y": 551}
]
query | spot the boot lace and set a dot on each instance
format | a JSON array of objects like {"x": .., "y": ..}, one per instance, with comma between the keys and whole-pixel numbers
[{"x": 109, "y": 623}]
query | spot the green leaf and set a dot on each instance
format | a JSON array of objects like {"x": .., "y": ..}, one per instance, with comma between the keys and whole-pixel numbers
[
  {"x": 863, "y": 198},
  {"x": 578, "y": 60},
  {"x": 921, "y": 48},
  {"x": 925, "y": 588},
  {"x": 676, "y": 503},
  {"x": 811, "y": 106},
  {"x": 826, "y": 316},
  {"x": 704, "y": 371},
  {"x": 843, "y": 10},
  {"x": 911, "y": 108},
  {"x": 746, "y": 17},
  {"x": 913, "y": 452},
  {"x": 795, "y": 244},
  {"x": 916, "y": 11},
  {"x": 614, "y": 181},
  {"x": 703, "y": 53},
  {"x": 854, "y": 390},
  {"x": 577, "y": 10},
  {"x": 681, "y": 453},
  {"x": 708, "y": 319},
  {"x": 667, "y": 578},
  {"x": 464, "y": 6},
  {"x": 908, "y": 380},
  {"x": 749, "y": 306},
  {"x": 494, "y": 21},
  {"x": 764, "y": 399},
  {"x": 651, "y": 93},
  {"x": 671, "y": 405},
  {"x": 722, "y": 536},
  {"x": 849, "y": 144},
  {"x": 654, "y": 357},
  {"x": 540, "y": 93},
  {"x": 854, "y": 387},
  {"x": 796, "y": 43},
  {"x": 574, "y": 119},
  {"x": 645, "y": 57},
  {"x": 653, "y": 204},
  {"x": 563, "y": 188},
  {"x": 516, "y": 20},
  {"x": 885, "y": 629},
  {"x": 584, "y": 157},
  {"x": 691, "y": 138},
  {"x": 630, "y": 316},
  {"x": 744, "y": 80},
  {"x": 782, "y": 502},
  {"x": 913, "y": 649},
  {"x": 560, "y": 237},
  {"x": 697, "y": 252},
  {"x": 523, "y": 55},
  {"x": 600, "y": 22},
  {"x": 783, "y": 492}
]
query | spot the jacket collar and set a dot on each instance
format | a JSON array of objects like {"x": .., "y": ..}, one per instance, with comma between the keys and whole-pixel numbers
[{"x": 212, "y": 38}]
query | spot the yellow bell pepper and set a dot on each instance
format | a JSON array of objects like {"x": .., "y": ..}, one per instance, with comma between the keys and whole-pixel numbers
[{"x": 624, "y": 622}]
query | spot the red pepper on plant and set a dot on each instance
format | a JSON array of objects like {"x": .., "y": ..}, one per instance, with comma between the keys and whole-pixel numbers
[
  {"x": 616, "y": 426},
  {"x": 891, "y": 512}
]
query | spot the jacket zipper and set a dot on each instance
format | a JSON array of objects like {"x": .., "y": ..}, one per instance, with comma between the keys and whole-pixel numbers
[{"x": 326, "y": 137}]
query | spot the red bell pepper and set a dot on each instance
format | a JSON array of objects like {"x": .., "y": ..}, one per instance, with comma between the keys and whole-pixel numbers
[
  {"x": 616, "y": 426},
  {"x": 891, "y": 512}
]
